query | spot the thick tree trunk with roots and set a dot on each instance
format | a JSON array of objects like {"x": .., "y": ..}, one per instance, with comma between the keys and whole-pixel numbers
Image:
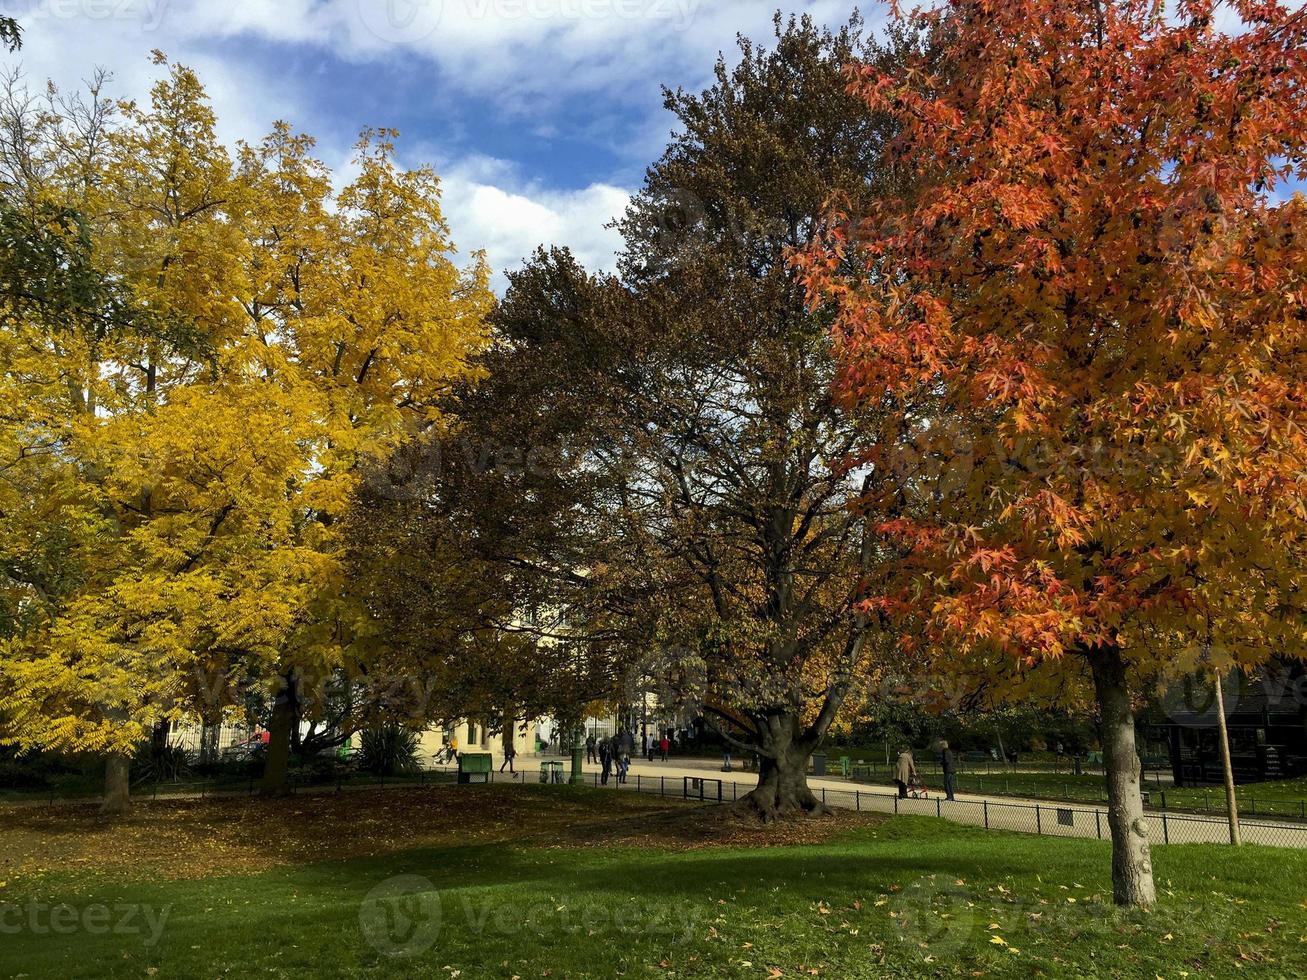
[
  {"x": 281, "y": 729},
  {"x": 782, "y": 791},
  {"x": 117, "y": 786},
  {"x": 1132, "y": 865}
]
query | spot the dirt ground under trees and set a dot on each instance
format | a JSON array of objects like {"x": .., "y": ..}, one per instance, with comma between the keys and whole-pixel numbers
[{"x": 202, "y": 838}]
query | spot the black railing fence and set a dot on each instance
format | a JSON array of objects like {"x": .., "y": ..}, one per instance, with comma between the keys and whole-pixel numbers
[
  {"x": 1049, "y": 820},
  {"x": 1091, "y": 789},
  {"x": 1052, "y": 819}
]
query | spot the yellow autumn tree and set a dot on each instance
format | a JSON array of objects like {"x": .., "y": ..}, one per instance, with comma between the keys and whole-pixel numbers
[
  {"x": 371, "y": 330},
  {"x": 243, "y": 343}
]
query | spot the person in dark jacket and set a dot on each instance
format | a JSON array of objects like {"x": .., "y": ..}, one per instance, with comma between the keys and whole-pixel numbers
[
  {"x": 948, "y": 764},
  {"x": 606, "y": 761},
  {"x": 625, "y": 745},
  {"x": 590, "y": 746}
]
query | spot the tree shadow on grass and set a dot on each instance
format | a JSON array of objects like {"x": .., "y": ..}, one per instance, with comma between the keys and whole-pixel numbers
[{"x": 855, "y": 862}]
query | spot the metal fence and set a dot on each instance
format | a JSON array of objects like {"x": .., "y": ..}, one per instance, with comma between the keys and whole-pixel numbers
[
  {"x": 1090, "y": 788},
  {"x": 1046, "y": 819},
  {"x": 1049, "y": 820}
]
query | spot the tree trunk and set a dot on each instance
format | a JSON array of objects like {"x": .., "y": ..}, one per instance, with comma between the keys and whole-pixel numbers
[
  {"x": 209, "y": 736},
  {"x": 117, "y": 786},
  {"x": 1227, "y": 767},
  {"x": 1132, "y": 865},
  {"x": 276, "y": 766},
  {"x": 782, "y": 791}
]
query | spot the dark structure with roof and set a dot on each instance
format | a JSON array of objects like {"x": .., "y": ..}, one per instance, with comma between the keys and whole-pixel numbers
[{"x": 1266, "y": 715}]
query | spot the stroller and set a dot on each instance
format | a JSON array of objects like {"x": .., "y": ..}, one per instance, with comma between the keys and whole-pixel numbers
[{"x": 917, "y": 790}]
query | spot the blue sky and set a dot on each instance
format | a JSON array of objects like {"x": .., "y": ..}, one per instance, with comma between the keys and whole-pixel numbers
[{"x": 540, "y": 115}]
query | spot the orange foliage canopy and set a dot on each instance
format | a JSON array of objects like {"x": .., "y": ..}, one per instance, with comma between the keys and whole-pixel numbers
[{"x": 1096, "y": 281}]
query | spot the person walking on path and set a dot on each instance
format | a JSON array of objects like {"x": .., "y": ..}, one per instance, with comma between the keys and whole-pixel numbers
[
  {"x": 664, "y": 746},
  {"x": 590, "y": 746},
  {"x": 905, "y": 773},
  {"x": 625, "y": 746},
  {"x": 947, "y": 766},
  {"x": 510, "y": 753},
  {"x": 623, "y": 765},
  {"x": 606, "y": 761}
]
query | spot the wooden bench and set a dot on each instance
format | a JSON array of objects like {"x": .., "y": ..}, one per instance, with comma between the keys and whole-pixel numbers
[{"x": 475, "y": 764}]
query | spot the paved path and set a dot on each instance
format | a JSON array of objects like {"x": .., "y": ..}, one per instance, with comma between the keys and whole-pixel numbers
[{"x": 1084, "y": 820}]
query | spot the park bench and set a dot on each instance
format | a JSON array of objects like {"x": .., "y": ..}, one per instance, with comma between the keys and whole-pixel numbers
[{"x": 475, "y": 764}]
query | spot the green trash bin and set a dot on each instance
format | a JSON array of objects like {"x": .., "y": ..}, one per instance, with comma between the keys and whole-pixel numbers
[
  {"x": 472, "y": 765},
  {"x": 846, "y": 766}
]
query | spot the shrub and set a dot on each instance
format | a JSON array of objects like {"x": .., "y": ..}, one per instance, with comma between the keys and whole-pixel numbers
[
  {"x": 390, "y": 750},
  {"x": 158, "y": 764}
]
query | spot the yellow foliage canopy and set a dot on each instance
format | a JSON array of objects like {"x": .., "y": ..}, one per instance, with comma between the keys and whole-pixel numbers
[{"x": 180, "y": 444}]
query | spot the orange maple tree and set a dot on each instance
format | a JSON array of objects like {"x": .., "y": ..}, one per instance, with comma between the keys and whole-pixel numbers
[{"x": 1095, "y": 285}]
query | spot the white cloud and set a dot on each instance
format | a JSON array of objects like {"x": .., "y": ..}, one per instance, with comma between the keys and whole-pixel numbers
[
  {"x": 514, "y": 51},
  {"x": 509, "y": 221},
  {"x": 522, "y": 56},
  {"x": 65, "y": 40}
]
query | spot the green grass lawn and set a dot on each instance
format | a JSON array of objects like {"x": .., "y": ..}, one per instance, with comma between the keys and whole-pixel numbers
[
  {"x": 1042, "y": 785},
  {"x": 1287, "y": 798},
  {"x": 898, "y": 898}
]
